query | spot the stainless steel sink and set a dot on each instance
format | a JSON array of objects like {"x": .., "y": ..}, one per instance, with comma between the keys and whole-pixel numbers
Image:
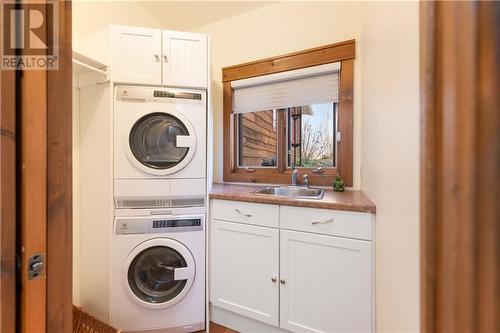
[{"x": 298, "y": 192}]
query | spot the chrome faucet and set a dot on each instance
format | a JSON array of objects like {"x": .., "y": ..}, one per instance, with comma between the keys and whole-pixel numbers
[
  {"x": 294, "y": 171},
  {"x": 294, "y": 176},
  {"x": 306, "y": 180}
]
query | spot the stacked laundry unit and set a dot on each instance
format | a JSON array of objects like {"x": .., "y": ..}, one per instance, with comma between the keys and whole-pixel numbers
[
  {"x": 156, "y": 273},
  {"x": 158, "y": 247}
]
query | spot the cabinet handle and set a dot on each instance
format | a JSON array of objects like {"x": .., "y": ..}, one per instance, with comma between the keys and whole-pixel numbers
[
  {"x": 274, "y": 279},
  {"x": 322, "y": 222},
  {"x": 282, "y": 281},
  {"x": 165, "y": 58},
  {"x": 157, "y": 57},
  {"x": 242, "y": 213}
]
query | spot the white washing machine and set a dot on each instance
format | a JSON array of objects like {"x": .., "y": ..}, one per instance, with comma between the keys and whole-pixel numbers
[
  {"x": 158, "y": 272},
  {"x": 159, "y": 147}
]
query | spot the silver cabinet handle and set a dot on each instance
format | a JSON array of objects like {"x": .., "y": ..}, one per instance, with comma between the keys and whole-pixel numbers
[
  {"x": 322, "y": 222},
  {"x": 242, "y": 213},
  {"x": 274, "y": 279},
  {"x": 282, "y": 281},
  {"x": 165, "y": 58},
  {"x": 157, "y": 57}
]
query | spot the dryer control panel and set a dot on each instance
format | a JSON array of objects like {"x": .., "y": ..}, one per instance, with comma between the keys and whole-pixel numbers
[
  {"x": 160, "y": 224},
  {"x": 160, "y": 94}
]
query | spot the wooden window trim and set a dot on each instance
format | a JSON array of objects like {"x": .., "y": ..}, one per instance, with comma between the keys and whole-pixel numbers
[{"x": 343, "y": 52}]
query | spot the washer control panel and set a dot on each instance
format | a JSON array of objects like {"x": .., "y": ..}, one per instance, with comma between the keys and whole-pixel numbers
[{"x": 161, "y": 224}]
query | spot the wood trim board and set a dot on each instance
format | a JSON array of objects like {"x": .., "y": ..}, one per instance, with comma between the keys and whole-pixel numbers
[
  {"x": 8, "y": 200},
  {"x": 59, "y": 182}
]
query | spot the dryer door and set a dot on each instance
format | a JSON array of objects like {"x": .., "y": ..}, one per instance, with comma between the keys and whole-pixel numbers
[
  {"x": 161, "y": 143},
  {"x": 158, "y": 273}
]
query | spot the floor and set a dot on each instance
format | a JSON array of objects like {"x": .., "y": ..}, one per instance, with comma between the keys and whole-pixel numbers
[{"x": 216, "y": 328}]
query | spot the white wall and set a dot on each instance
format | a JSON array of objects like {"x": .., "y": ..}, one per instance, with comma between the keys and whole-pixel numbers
[
  {"x": 76, "y": 191},
  {"x": 277, "y": 29},
  {"x": 91, "y": 19},
  {"x": 96, "y": 199},
  {"x": 390, "y": 156}
]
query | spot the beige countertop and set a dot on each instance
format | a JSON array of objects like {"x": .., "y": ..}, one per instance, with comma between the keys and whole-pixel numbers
[{"x": 349, "y": 200}]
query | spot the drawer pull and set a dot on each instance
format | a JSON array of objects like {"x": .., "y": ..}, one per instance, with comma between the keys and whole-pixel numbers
[
  {"x": 242, "y": 212},
  {"x": 322, "y": 222}
]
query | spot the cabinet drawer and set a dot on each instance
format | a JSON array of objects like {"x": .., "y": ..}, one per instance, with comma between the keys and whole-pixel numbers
[
  {"x": 245, "y": 212},
  {"x": 328, "y": 222}
]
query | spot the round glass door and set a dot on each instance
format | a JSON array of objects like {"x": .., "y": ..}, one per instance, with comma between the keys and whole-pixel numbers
[
  {"x": 151, "y": 274},
  {"x": 153, "y": 141}
]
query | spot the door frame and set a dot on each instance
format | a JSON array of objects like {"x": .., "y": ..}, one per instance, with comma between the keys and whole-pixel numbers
[
  {"x": 460, "y": 177},
  {"x": 60, "y": 181},
  {"x": 7, "y": 200}
]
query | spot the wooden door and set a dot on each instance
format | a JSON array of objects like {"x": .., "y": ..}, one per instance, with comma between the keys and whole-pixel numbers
[
  {"x": 245, "y": 264},
  {"x": 325, "y": 283},
  {"x": 184, "y": 59},
  {"x": 135, "y": 55},
  {"x": 460, "y": 163}
]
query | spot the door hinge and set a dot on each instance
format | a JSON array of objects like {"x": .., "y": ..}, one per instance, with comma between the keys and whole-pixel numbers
[{"x": 338, "y": 137}]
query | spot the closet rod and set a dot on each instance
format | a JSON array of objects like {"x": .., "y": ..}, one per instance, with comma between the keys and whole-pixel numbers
[{"x": 90, "y": 67}]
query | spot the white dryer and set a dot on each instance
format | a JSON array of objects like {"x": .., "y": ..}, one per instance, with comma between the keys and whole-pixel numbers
[
  {"x": 158, "y": 273},
  {"x": 159, "y": 147}
]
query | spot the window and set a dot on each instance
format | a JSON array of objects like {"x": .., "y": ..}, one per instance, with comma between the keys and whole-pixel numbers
[
  {"x": 309, "y": 140},
  {"x": 310, "y": 135},
  {"x": 257, "y": 139},
  {"x": 296, "y": 115}
]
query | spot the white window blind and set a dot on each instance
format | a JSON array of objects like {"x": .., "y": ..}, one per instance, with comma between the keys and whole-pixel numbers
[{"x": 312, "y": 85}]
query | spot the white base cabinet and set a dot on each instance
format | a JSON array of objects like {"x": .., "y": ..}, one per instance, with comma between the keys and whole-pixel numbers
[
  {"x": 291, "y": 270},
  {"x": 326, "y": 283},
  {"x": 246, "y": 270}
]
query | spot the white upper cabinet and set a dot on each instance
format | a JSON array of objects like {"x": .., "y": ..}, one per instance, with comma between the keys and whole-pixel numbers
[
  {"x": 325, "y": 283},
  {"x": 184, "y": 59},
  {"x": 245, "y": 270},
  {"x": 136, "y": 55},
  {"x": 156, "y": 57}
]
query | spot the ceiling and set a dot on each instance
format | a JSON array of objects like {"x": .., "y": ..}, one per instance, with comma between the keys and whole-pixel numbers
[{"x": 187, "y": 15}]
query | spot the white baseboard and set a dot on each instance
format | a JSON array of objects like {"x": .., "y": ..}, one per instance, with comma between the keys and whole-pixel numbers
[{"x": 241, "y": 323}]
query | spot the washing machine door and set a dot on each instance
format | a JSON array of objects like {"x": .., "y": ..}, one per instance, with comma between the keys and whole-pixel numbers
[
  {"x": 161, "y": 143},
  {"x": 159, "y": 273}
]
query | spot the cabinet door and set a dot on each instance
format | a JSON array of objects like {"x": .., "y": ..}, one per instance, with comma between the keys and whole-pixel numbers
[
  {"x": 136, "y": 55},
  {"x": 325, "y": 283},
  {"x": 184, "y": 59},
  {"x": 245, "y": 264}
]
